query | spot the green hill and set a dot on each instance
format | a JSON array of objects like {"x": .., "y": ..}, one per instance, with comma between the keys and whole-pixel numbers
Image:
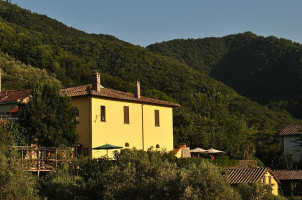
[
  {"x": 265, "y": 69},
  {"x": 18, "y": 76},
  {"x": 71, "y": 55}
]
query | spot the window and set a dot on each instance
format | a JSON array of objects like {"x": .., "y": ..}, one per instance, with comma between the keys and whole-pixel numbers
[
  {"x": 156, "y": 113},
  {"x": 103, "y": 113},
  {"x": 270, "y": 180},
  {"x": 126, "y": 115}
]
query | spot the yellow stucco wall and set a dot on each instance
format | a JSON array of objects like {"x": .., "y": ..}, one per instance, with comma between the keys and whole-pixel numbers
[
  {"x": 83, "y": 128},
  {"x": 161, "y": 135},
  {"x": 114, "y": 131},
  {"x": 273, "y": 183}
]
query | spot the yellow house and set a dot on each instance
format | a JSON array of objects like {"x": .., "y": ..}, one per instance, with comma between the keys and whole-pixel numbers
[
  {"x": 254, "y": 175},
  {"x": 108, "y": 116}
]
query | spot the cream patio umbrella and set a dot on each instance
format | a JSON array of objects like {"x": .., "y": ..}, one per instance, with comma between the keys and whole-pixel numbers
[
  {"x": 198, "y": 151},
  {"x": 212, "y": 151}
]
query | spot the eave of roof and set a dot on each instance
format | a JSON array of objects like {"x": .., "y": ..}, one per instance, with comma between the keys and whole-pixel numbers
[
  {"x": 86, "y": 90},
  {"x": 288, "y": 174},
  {"x": 293, "y": 129}
]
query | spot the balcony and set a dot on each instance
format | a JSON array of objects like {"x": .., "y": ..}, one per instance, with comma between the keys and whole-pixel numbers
[{"x": 8, "y": 117}]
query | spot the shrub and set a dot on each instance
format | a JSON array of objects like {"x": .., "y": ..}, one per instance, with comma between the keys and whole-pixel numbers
[
  {"x": 225, "y": 161},
  {"x": 151, "y": 175},
  {"x": 63, "y": 184},
  {"x": 257, "y": 192},
  {"x": 15, "y": 183}
]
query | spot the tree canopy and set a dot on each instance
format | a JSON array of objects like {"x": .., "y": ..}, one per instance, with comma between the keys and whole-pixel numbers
[
  {"x": 48, "y": 118},
  {"x": 15, "y": 182},
  {"x": 265, "y": 69}
]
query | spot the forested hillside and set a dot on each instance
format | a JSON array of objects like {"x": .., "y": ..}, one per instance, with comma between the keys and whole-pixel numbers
[
  {"x": 211, "y": 113},
  {"x": 17, "y": 76},
  {"x": 265, "y": 69}
]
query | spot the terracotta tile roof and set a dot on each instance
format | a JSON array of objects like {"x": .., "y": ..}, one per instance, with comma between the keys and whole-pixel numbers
[
  {"x": 288, "y": 174},
  {"x": 14, "y": 110},
  {"x": 294, "y": 129},
  {"x": 86, "y": 90},
  {"x": 251, "y": 175},
  {"x": 13, "y": 96}
]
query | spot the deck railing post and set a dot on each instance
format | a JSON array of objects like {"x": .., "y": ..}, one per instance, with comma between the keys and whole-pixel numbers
[
  {"x": 56, "y": 157},
  {"x": 38, "y": 161},
  {"x": 22, "y": 158}
]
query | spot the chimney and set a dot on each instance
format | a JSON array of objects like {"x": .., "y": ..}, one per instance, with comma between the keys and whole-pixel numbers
[
  {"x": 138, "y": 90},
  {"x": 96, "y": 81}
]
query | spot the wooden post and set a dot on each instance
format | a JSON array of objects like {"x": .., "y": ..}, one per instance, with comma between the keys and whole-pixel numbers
[
  {"x": 21, "y": 156},
  {"x": 56, "y": 157},
  {"x": 38, "y": 161}
]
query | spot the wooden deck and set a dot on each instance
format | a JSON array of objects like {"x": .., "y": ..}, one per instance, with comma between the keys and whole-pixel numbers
[{"x": 44, "y": 159}]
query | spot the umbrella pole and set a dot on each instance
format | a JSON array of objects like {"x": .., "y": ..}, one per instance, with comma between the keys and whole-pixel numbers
[{"x": 107, "y": 152}]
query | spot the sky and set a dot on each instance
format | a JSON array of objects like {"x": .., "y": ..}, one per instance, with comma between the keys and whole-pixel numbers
[{"x": 144, "y": 22}]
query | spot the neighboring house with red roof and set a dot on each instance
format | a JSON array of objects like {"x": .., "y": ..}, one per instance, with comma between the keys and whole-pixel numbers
[
  {"x": 108, "y": 116},
  {"x": 290, "y": 134},
  {"x": 9, "y": 101},
  {"x": 254, "y": 175}
]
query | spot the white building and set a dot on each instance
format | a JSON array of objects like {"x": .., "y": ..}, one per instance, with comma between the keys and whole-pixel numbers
[{"x": 290, "y": 135}]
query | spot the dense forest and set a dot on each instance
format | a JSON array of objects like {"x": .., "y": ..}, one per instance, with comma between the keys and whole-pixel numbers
[
  {"x": 266, "y": 69},
  {"x": 211, "y": 113}
]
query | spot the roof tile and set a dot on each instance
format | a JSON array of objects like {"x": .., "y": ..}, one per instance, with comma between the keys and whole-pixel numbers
[
  {"x": 13, "y": 95},
  {"x": 14, "y": 110},
  {"x": 251, "y": 175},
  {"x": 294, "y": 129},
  {"x": 86, "y": 90},
  {"x": 288, "y": 174}
]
